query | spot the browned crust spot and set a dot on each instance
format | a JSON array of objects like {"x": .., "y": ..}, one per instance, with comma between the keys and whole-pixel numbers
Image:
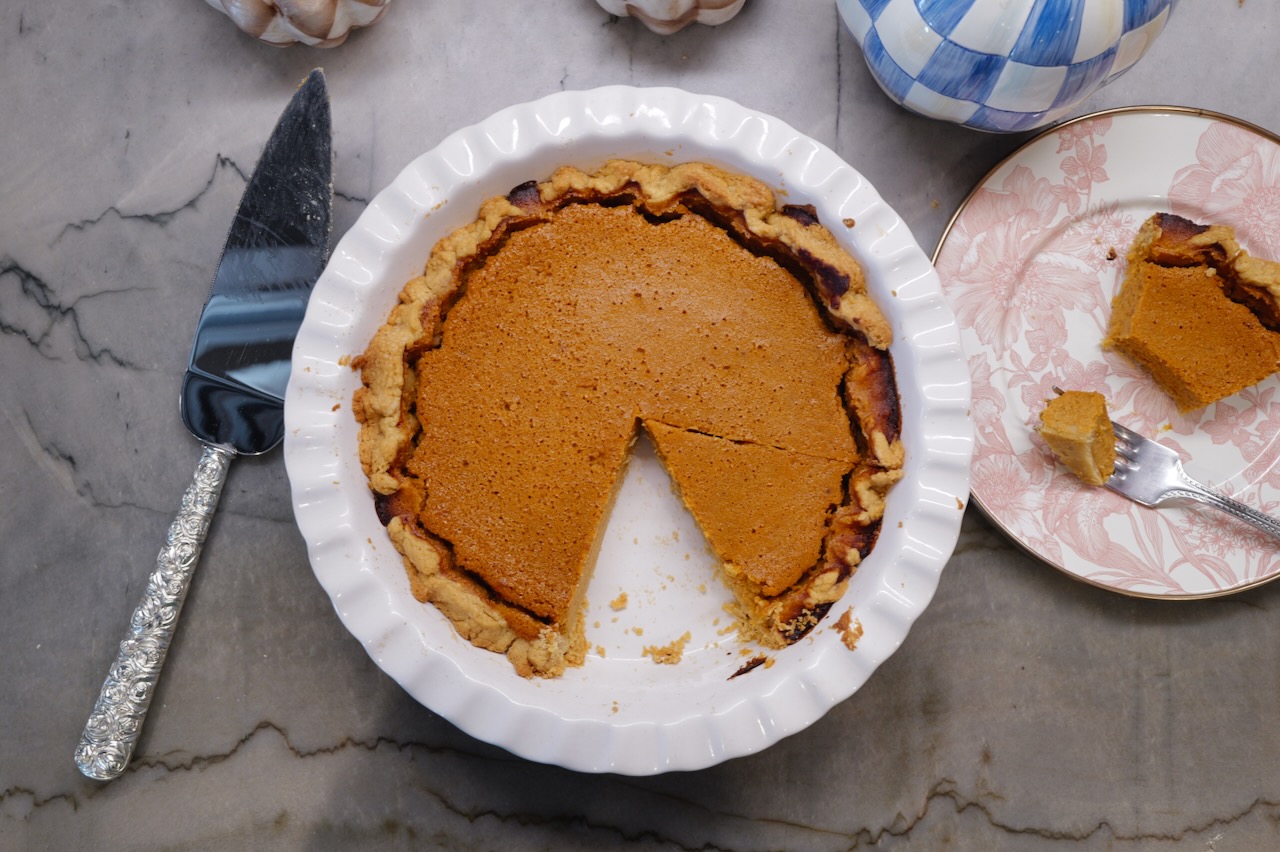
[{"x": 1254, "y": 282}]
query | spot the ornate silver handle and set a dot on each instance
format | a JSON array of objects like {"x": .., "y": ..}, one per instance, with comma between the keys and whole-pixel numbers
[
  {"x": 116, "y": 721},
  {"x": 1248, "y": 514}
]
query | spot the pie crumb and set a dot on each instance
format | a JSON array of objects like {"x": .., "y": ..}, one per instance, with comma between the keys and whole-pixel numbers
[
  {"x": 619, "y": 603},
  {"x": 850, "y": 629},
  {"x": 668, "y": 655}
]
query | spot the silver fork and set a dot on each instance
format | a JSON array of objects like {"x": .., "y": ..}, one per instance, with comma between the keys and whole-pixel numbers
[{"x": 1150, "y": 473}]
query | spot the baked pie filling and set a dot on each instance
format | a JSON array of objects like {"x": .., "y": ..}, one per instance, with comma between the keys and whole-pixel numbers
[{"x": 500, "y": 401}]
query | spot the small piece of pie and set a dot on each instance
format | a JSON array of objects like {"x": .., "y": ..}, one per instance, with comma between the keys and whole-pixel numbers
[
  {"x": 1076, "y": 427},
  {"x": 500, "y": 401}
]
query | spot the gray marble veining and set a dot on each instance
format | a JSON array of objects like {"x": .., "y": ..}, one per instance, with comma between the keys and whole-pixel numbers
[{"x": 1025, "y": 711}]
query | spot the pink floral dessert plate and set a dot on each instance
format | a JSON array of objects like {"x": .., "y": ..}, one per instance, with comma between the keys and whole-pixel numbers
[{"x": 1030, "y": 263}]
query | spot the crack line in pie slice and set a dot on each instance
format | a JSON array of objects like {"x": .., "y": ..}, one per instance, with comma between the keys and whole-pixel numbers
[
  {"x": 763, "y": 510},
  {"x": 502, "y": 398}
]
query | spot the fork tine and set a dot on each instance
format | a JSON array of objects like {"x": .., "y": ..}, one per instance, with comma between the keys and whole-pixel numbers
[{"x": 1125, "y": 434}]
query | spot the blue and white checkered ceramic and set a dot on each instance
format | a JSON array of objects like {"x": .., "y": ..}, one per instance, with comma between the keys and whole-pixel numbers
[{"x": 1000, "y": 65}]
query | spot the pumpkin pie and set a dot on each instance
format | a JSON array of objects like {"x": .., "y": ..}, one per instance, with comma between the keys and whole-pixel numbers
[
  {"x": 500, "y": 401},
  {"x": 1076, "y": 427},
  {"x": 1177, "y": 315}
]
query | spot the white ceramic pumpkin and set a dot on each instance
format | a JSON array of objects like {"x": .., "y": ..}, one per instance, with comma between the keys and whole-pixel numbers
[
  {"x": 318, "y": 23},
  {"x": 669, "y": 16}
]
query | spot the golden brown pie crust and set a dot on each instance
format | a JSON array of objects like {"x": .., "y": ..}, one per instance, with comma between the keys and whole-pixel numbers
[
  {"x": 1169, "y": 240},
  {"x": 501, "y": 398}
]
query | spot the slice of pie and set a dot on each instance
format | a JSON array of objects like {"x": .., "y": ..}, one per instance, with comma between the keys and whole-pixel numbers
[
  {"x": 1177, "y": 315},
  {"x": 501, "y": 399},
  {"x": 766, "y": 512}
]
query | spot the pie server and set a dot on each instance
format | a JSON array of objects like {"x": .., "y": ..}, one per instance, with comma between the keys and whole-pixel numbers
[{"x": 233, "y": 393}]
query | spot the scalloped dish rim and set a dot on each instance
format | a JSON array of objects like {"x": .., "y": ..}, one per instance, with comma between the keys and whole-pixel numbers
[{"x": 616, "y": 714}]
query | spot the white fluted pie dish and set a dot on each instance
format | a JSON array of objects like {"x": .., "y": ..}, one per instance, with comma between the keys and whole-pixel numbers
[{"x": 621, "y": 712}]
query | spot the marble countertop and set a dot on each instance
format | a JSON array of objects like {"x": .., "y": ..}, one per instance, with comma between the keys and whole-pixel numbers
[{"x": 1025, "y": 711}]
